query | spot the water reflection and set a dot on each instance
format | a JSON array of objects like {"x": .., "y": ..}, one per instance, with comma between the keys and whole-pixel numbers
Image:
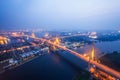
[{"x": 55, "y": 58}]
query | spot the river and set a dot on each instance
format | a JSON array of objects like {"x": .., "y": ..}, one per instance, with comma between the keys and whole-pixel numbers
[
  {"x": 46, "y": 67},
  {"x": 109, "y": 46}
]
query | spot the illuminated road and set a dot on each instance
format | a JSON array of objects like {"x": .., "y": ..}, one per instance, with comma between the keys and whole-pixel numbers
[{"x": 98, "y": 65}]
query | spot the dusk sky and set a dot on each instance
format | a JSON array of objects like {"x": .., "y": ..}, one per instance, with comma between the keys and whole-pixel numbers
[{"x": 60, "y": 14}]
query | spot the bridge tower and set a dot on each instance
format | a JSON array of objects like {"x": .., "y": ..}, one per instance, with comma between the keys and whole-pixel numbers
[
  {"x": 95, "y": 71},
  {"x": 55, "y": 41},
  {"x": 93, "y": 54}
]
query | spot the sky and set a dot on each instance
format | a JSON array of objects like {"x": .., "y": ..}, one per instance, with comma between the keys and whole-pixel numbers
[{"x": 60, "y": 14}]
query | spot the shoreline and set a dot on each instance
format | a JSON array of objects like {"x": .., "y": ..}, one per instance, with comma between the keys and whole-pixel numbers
[{"x": 21, "y": 63}]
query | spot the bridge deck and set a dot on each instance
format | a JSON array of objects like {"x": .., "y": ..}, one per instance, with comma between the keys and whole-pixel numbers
[{"x": 108, "y": 70}]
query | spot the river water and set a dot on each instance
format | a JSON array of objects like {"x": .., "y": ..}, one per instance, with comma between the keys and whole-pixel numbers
[
  {"x": 106, "y": 47},
  {"x": 46, "y": 67}
]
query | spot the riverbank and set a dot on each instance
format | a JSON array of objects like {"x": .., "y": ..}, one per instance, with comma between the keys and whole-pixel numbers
[
  {"x": 112, "y": 60},
  {"x": 21, "y": 63},
  {"x": 52, "y": 66}
]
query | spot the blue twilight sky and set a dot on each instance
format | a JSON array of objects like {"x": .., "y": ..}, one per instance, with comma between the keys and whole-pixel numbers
[{"x": 60, "y": 14}]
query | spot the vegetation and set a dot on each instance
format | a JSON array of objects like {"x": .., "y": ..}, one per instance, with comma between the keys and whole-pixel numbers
[
  {"x": 112, "y": 60},
  {"x": 77, "y": 39},
  {"x": 109, "y": 37}
]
